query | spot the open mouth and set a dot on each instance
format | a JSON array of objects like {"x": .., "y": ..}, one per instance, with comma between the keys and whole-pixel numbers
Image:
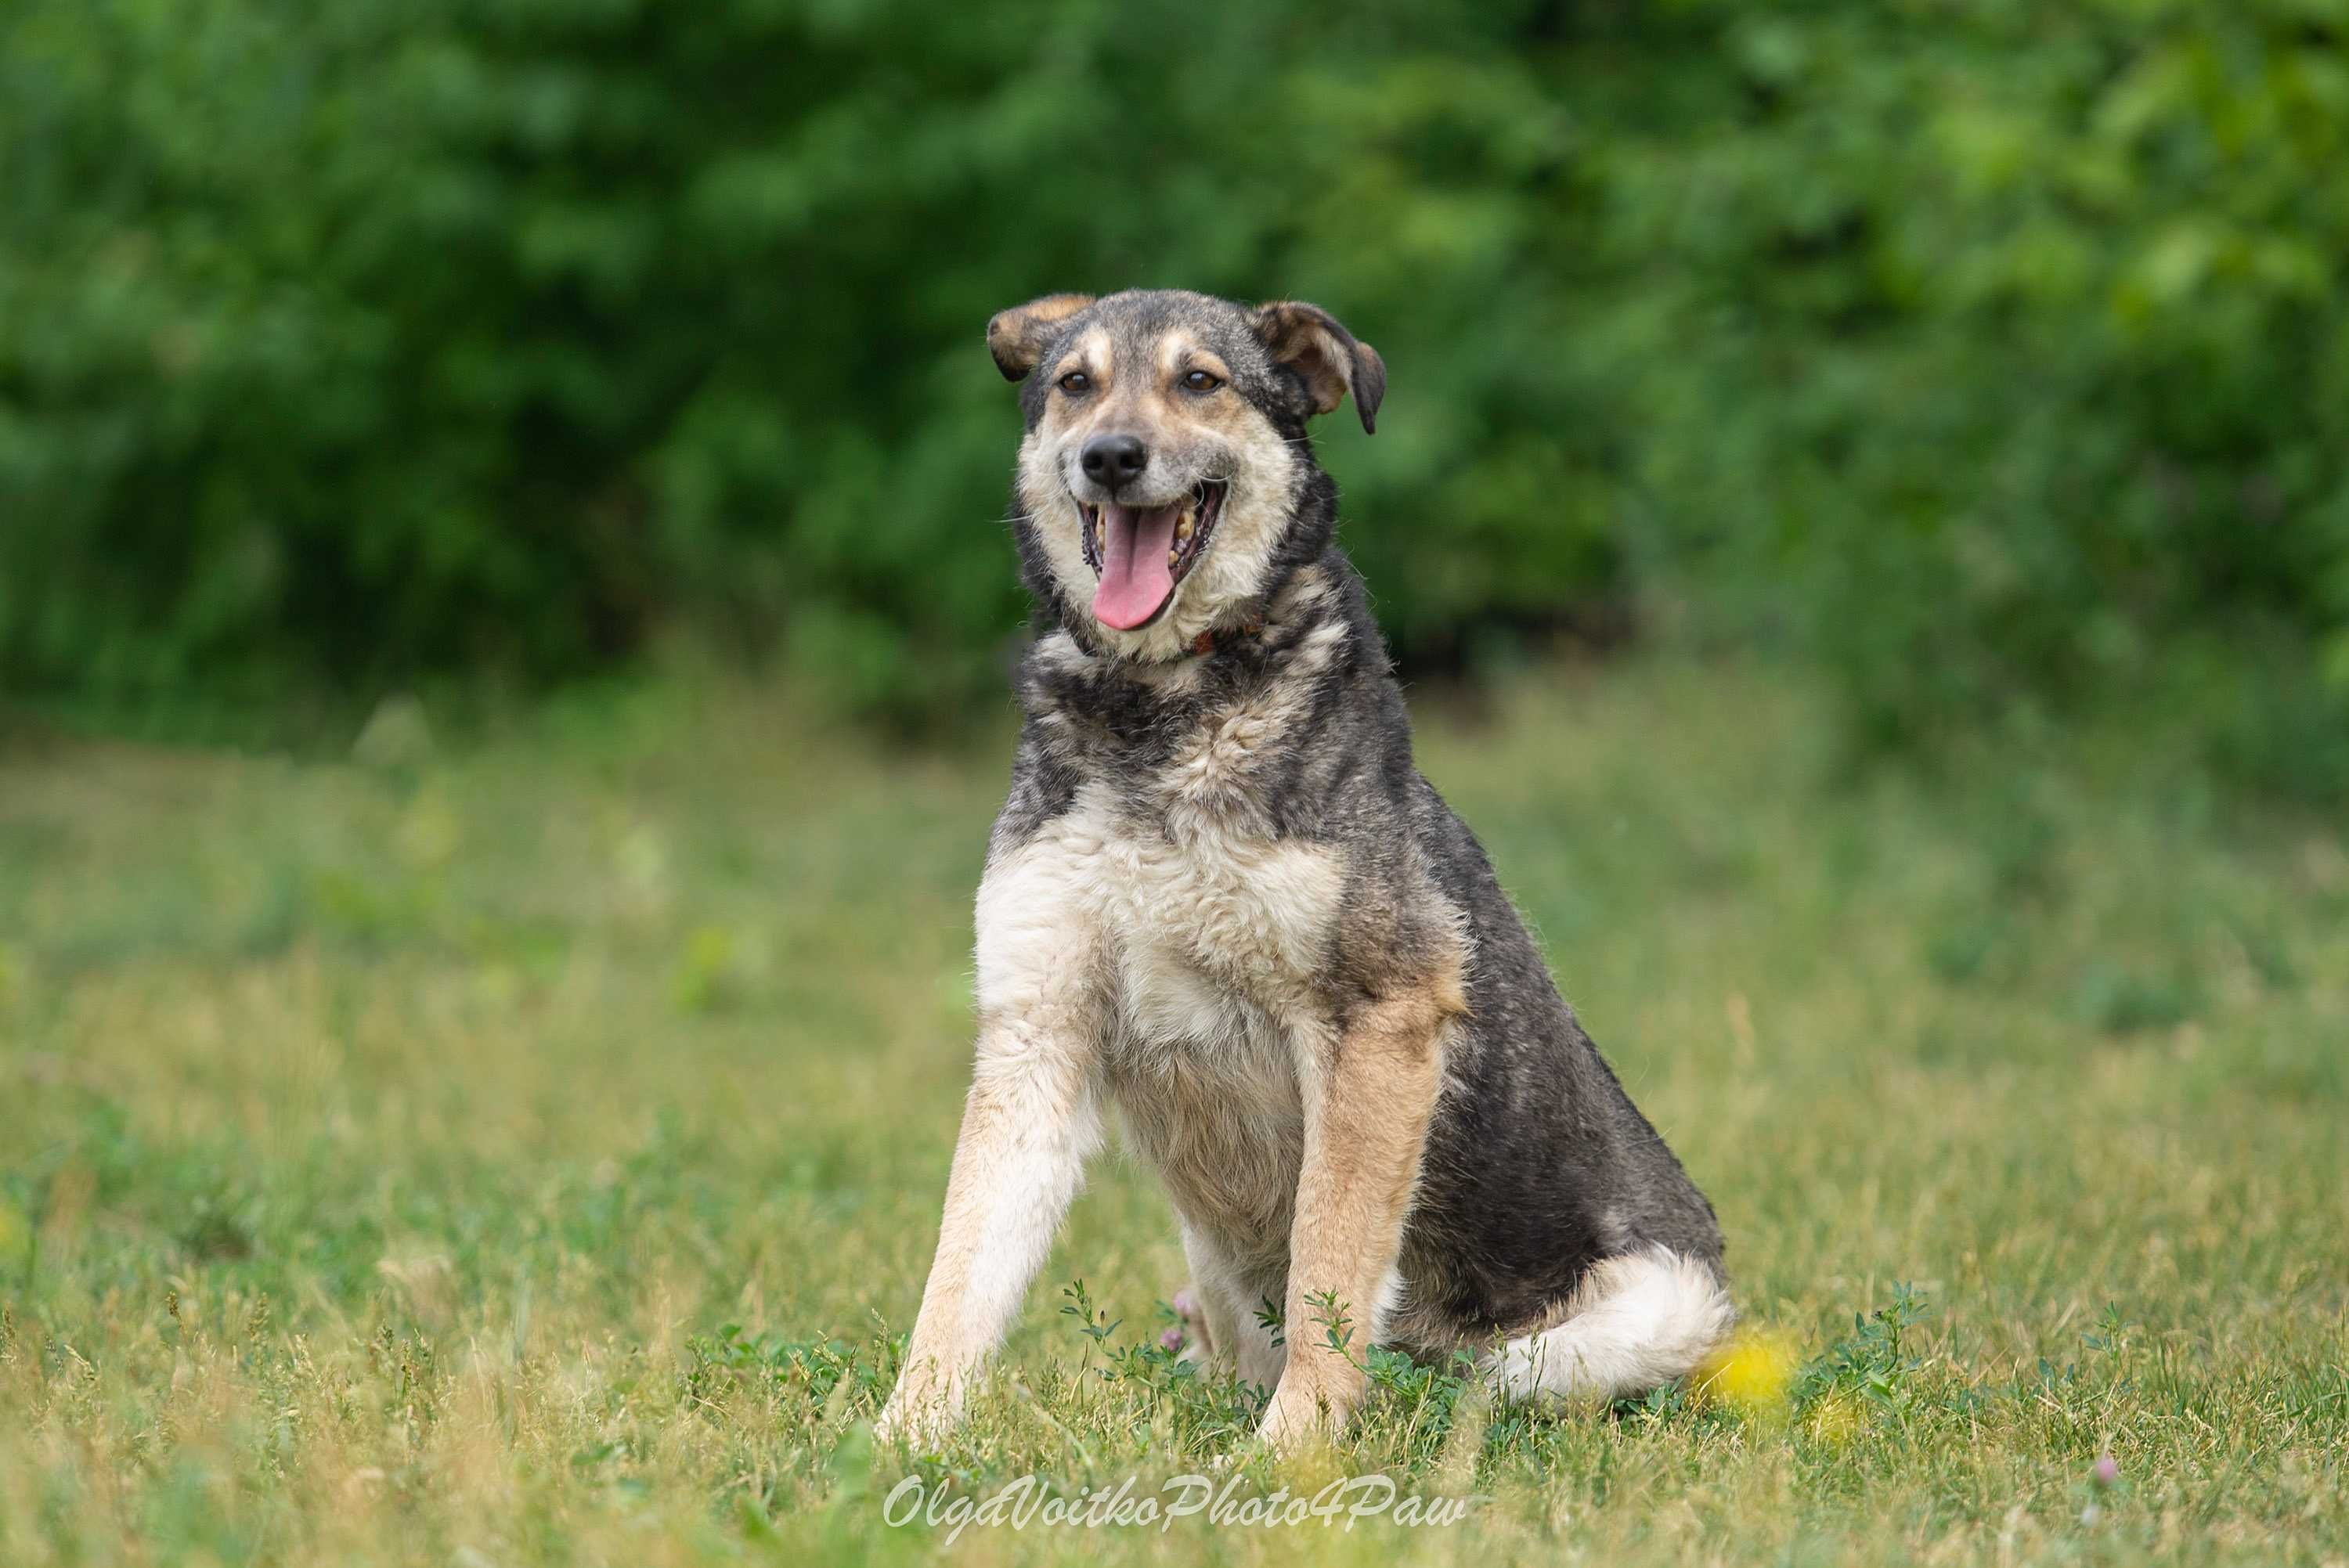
[{"x": 1140, "y": 555}]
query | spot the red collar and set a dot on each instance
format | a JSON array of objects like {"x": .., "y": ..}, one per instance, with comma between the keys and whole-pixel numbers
[{"x": 1208, "y": 640}]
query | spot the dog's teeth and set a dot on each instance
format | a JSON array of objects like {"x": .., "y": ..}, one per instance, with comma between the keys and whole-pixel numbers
[
  {"x": 1174, "y": 558},
  {"x": 1183, "y": 526}
]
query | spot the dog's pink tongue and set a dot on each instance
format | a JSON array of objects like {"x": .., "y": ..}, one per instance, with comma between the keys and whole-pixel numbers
[{"x": 1135, "y": 579}]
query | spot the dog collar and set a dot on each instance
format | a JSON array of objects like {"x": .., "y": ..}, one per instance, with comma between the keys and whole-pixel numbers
[{"x": 1208, "y": 640}]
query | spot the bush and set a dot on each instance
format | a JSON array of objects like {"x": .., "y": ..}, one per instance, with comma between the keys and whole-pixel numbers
[
  {"x": 1995, "y": 353},
  {"x": 2010, "y": 359},
  {"x": 351, "y": 341}
]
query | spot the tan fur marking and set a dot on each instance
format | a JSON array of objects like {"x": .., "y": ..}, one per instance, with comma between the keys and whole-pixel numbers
[
  {"x": 1366, "y": 1118},
  {"x": 1298, "y": 340},
  {"x": 1179, "y": 354},
  {"x": 1017, "y": 338},
  {"x": 1174, "y": 349},
  {"x": 1089, "y": 354},
  {"x": 1329, "y": 360}
]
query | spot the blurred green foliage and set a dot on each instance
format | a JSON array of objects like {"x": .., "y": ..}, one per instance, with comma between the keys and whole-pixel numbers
[{"x": 1997, "y": 353}]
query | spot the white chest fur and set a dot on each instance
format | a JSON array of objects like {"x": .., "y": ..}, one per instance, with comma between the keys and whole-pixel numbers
[
  {"x": 1179, "y": 927},
  {"x": 1185, "y": 946}
]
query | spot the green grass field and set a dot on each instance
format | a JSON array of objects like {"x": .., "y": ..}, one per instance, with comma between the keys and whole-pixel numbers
[{"x": 531, "y": 1153}]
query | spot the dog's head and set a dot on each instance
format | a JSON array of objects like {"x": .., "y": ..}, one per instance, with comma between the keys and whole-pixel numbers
[{"x": 1166, "y": 461}]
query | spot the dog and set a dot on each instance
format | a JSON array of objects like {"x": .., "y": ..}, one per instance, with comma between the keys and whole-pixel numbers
[{"x": 1221, "y": 901}]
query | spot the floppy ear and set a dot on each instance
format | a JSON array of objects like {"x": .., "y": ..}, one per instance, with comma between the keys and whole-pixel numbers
[
  {"x": 1325, "y": 356},
  {"x": 1018, "y": 337}
]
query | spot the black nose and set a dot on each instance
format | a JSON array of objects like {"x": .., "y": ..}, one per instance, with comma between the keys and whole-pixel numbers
[{"x": 1111, "y": 460}]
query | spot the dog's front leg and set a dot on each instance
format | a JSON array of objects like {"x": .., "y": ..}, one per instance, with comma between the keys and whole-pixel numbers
[
  {"x": 1368, "y": 1104},
  {"x": 1032, "y": 1119}
]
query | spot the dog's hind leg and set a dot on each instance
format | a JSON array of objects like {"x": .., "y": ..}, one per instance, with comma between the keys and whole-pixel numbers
[
  {"x": 1637, "y": 1321},
  {"x": 1229, "y": 1299},
  {"x": 1207, "y": 1322}
]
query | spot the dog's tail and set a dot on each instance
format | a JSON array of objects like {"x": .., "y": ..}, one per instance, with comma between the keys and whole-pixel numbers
[{"x": 1637, "y": 1321}]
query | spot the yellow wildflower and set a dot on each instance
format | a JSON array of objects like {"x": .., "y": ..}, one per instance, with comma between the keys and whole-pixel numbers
[{"x": 1752, "y": 1374}]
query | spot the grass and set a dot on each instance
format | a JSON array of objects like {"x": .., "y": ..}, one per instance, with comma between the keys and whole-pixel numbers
[{"x": 530, "y": 1153}]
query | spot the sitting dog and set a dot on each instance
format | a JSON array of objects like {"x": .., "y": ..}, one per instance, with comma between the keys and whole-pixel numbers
[{"x": 1221, "y": 899}]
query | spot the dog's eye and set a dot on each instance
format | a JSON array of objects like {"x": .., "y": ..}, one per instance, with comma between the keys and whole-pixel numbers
[
  {"x": 1076, "y": 383},
  {"x": 1201, "y": 381}
]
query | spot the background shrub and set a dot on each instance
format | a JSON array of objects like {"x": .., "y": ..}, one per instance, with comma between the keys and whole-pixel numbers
[{"x": 1995, "y": 354}]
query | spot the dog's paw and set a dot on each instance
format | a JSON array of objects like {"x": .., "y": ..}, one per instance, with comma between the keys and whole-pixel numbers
[
  {"x": 917, "y": 1418},
  {"x": 1294, "y": 1421},
  {"x": 899, "y": 1426}
]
